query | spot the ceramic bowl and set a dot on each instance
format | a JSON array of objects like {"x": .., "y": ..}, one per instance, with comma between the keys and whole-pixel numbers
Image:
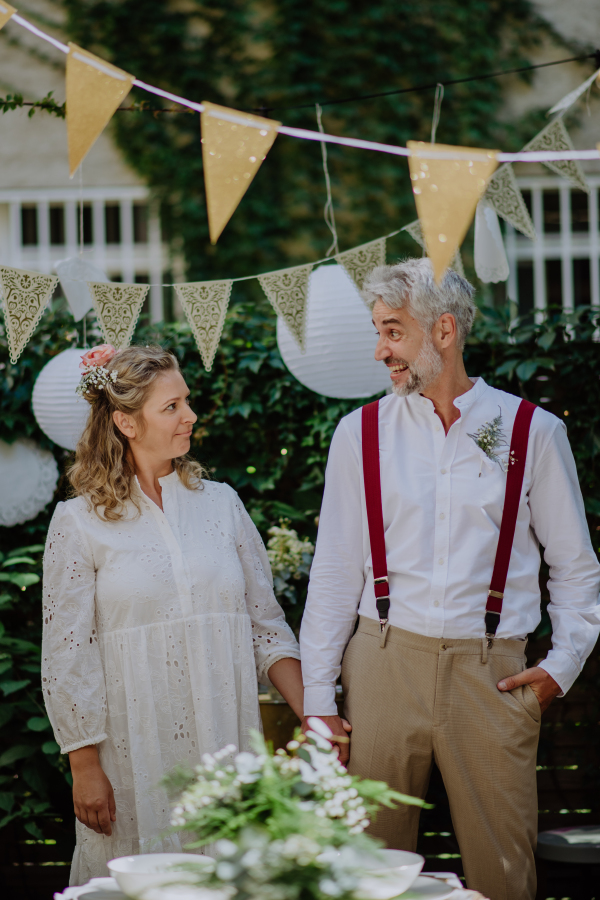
[
  {"x": 135, "y": 875},
  {"x": 389, "y": 875}
]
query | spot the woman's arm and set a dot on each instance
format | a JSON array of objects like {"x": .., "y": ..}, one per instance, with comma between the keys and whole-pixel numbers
[
  {"x": 93, "y": 797},
  {"x": 286, "y": 676}
]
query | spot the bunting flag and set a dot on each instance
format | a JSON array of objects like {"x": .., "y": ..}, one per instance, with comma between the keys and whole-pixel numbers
[
  {"x": 118, "y": 307},
  {"x": 504, "y": 195},
  {"x": 361, "y": 260},
  {"x": 447, "y": 192},
  {"x": 24, "y": 298},
  {"x": 556, "y": 137},
  {"x": 287, "y": 291},
  {"x": 95, "y": 89},
  {"x": 570, "y": 98},
  {"x": 232, "y": 153},
  {"x": 6, "y": 12},
  {"x": 205, "y": 305},
  {"x": 416, "y": 233}
]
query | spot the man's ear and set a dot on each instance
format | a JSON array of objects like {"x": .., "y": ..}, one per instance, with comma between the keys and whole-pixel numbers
[
  {"x": 446, "y": 330},
  {"x": 125, "y": 424}
]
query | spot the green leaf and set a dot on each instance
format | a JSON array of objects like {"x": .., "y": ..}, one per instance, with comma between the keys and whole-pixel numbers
[
  {"x": 592, "y": 506},
  {"x": 32, "y": 829},
  {"x": 6, "y": 801},
  {"x": 33, "y": 548},
  {"x": 13, "y": 561},
  {"x": 525, "y": 370},
  {"x": 507, "y": 368},
  {"x": 38, "y": 723},
  {"x": 6, "y": 714},
  {"x": 546, "y": 340},
  {"x": 10, "y": 687},
  {"x": 50, "y": 747},
  {"x": 20, "y": 579},
  {"x": 13, "y": 754}
]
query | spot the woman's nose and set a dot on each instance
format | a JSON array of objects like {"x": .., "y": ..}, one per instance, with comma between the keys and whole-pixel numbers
[{"x": 190, "y": 416}]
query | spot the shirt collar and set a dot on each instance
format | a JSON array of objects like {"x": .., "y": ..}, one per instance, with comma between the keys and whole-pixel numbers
[{"x": 463, "y": 402}]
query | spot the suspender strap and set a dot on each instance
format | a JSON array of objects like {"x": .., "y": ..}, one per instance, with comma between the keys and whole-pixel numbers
[
  {"x": 512, "y": 496},
  {"x": 372, "y": 479}
]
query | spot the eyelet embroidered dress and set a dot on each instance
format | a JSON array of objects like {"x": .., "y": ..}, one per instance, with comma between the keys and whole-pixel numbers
[{"x": 156, "y": 629}]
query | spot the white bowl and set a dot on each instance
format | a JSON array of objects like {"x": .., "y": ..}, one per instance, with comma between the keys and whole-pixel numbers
[
  {"x": 389, "y": 875},
  {"x": 137, "y": 874}
]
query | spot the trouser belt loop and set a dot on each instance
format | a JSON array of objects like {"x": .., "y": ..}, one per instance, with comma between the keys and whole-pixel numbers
[
  {"x": 485, "y": 643},
  {"x": 383, "y": 638}
]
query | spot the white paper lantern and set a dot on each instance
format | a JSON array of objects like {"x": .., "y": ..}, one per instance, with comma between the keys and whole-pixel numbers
[
  {"x": 59, "y": 411},
  {"x": 74, "y": 273},
  {"x": 340, "y": 340},
  {"x": 28, "y": 476}
]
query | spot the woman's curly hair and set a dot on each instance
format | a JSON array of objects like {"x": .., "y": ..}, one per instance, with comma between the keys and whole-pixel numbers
[{"x": 103, "y": 470}]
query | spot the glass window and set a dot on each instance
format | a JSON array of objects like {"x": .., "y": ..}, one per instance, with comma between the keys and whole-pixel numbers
[
  {"x": 582, "y": 293},
  {"x": 551, "y": 212},
  {"x": 112, "y": 221},
  {"x": 57, "y": 224},
  {"x": 87, "y": 224},
  {"x": 580, "y": 219},
  {"x": 553, "y": 282},
  {"x": 140, "y": 223},
  {"x": 29, "y": 225},
  {"x": 525, "y": 286}
]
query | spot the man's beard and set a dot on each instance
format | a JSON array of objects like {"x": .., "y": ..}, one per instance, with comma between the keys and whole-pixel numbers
[{"x": 423, "y": 370}]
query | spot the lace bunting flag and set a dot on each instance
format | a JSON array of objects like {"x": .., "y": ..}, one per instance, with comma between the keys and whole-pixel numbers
[
  {"x": 359, "y": 261},
  {"x": 504, "y": 195},
  {"x": 416, "y": 233},
  {"x": 6, "y": 12},
  {"x": 24, "y": 299},
  {"x": 287, "y": 291},
  {"x": 94, "y": 91},
  {"x": 556, "y": 137},
  {"x": 205, "y": 305},
  {"x": 118, "y": 307},
  {"x": 446, "y": 193}
]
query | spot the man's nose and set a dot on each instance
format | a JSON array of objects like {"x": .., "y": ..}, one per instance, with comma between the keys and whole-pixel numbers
[{"x": 381, "y": 350}]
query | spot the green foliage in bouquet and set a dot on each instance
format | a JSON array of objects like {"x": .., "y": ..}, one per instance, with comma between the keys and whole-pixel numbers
[{"x": 290, "y": 560}]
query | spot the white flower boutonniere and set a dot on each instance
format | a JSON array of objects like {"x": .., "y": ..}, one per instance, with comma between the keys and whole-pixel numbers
[{"x": 490, "y": 438}]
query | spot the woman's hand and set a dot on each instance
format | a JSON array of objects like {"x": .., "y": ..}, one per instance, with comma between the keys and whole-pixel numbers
[{"x": 93, "y": 797}]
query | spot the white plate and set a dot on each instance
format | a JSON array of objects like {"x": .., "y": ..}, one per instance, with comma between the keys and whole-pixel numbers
[{"x": 425, "y": 888}]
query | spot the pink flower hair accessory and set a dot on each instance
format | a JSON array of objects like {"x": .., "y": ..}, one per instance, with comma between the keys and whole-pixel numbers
[{"x": 95, "y": 374}]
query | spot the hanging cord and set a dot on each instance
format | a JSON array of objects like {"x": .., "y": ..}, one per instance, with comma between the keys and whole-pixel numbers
[
  {"x": 328, "y": 210},
  {"x": 437, "y": 110},
  {"x": 81, "y": 242}
]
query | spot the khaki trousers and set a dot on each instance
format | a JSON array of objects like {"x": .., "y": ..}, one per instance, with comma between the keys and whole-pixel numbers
[{"x": 419, "y": 699}]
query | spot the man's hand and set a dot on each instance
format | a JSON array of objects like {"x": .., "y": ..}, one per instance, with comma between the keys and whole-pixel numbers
[
  {"x": 338, "y": 727},
  {"x": 93, "y": 797},
  {"x": 544, "y": 686}
]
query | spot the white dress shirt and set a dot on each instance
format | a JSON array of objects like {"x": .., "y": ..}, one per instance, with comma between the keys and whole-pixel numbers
[{"x": 442, "y": 509}]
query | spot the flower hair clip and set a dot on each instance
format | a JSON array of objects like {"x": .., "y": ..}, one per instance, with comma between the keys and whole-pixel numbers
[{"x": 94, "y": 372}]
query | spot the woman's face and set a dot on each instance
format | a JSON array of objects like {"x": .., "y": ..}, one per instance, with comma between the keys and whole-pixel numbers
[{"x": 167, "y": 418}]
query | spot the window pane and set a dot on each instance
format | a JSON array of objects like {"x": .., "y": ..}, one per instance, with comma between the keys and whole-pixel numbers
[
  {"x": 525, "y": 286},
  {"x": 112, "y": 221},
  {"x": 527, "y": 199},
  {"x": 87, "y": 224},
  {"x": 579, "y": 211},
  {"x": 551, "y": 212},
  {"x": 553, "y": 282},
  {"x": 57, "y": 224},
  {"x": 140, "y": 223},
  {"x": 582, "y": 294},
  {"x": 29, "y": 231}
]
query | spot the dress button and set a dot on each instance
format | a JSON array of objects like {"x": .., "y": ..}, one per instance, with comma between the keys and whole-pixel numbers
[
  {"x": 441, "y": 561},
  {"x": 443, "y": 471}
]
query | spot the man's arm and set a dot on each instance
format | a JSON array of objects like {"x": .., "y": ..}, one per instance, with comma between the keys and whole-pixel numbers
[
  {"x": 336, "y": 581},
  {"x": 558, "y": 520}
]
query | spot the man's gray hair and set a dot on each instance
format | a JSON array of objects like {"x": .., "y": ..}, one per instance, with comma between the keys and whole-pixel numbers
[{"x": 410, "y": 284}]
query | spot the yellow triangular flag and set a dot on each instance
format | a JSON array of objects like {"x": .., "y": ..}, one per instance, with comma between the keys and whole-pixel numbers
[
  {"x": 24, "y": 296},
  {"x": 447, "y": 192},
  {"x": 232, "y": 153},
  {"x": 94, "y": 91},
  {"x": 6, "y": 11}
]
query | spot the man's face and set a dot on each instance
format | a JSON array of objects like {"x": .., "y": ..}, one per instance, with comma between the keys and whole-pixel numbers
[{"x": 409, "y": 352}]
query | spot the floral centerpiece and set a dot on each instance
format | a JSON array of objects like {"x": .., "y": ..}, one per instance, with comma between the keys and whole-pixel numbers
[{"x": 283, "y": 825}]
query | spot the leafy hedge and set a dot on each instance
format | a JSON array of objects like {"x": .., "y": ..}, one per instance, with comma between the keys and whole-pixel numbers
[{"x": 250, "y": 409}]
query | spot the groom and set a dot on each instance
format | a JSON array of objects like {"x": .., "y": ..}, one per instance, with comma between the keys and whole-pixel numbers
[{"x": 446, "y": 588}]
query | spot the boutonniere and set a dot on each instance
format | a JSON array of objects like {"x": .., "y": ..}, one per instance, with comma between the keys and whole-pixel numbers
[{"x": 490, "y": 438}]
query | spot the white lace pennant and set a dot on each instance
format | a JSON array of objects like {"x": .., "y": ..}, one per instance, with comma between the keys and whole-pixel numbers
[
  {"x": 416, "y": 233},
  {"x": 570, "y": 98},
  {"x": 118, "y": 307},
  {"x": 490, "y": 259},
  {"x": 287, "y": 291},
  {"x": 556, "y": 137},
  {"x": 205, "y": 305},
  {"x": 361, "y": 260},
  {"x": 504, "y": 195},
  {"x": 24, "y": 299}
]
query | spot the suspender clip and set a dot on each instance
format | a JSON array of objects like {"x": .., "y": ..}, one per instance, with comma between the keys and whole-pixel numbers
[
  {"x": 383, "y": 579},
  {"x": 499, "y": 595}
]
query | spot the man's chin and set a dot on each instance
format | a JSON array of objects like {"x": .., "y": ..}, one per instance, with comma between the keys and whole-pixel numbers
[{"x": 404, "y": 388}]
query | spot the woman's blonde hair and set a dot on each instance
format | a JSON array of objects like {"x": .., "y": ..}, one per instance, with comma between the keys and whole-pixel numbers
[{"x": 103, "y": 470}]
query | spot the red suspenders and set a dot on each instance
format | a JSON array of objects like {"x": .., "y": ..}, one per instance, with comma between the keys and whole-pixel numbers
[{"x": 514, "y": 483}]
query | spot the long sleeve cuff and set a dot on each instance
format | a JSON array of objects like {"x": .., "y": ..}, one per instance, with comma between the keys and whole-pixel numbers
[
  {"x": 87, "y": 742},
  {"x": 319, "y": 700},
  {"x": 562, "y": 668}
]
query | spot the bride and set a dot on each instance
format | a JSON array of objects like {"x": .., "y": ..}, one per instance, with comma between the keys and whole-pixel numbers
[{"x": 159, "y": 612}]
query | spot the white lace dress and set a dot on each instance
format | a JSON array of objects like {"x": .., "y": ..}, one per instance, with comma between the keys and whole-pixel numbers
[{"x": 156, "y": 629}]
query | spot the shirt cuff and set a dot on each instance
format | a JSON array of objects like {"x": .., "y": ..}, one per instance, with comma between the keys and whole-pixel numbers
[
  {"x": 87, "y": 742},
  {"x": 319, "y": 700},
  {"x": 562, "y": 668}
]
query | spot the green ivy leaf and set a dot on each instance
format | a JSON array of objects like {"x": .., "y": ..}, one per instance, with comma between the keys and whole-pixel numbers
[
  {"x": 13, "y": 561},
  {"x": 50, "y": 747},
  {"x": 546, "y": 340},
  {"x": 38, "y": 723},
  {"x": 13, "y": 754},
  {"x": 526, "y": 369},
  {"x": 10, "y": 687}
]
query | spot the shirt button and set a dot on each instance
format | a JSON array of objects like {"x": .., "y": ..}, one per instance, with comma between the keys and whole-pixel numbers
[
  {"x": 444, "y": 471},
  {"x": 441, "y": 561},
  {"x": 442, "y": 515},
  {"x": 437, "y": 427},
  {"x": 436, "y": 602}
]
